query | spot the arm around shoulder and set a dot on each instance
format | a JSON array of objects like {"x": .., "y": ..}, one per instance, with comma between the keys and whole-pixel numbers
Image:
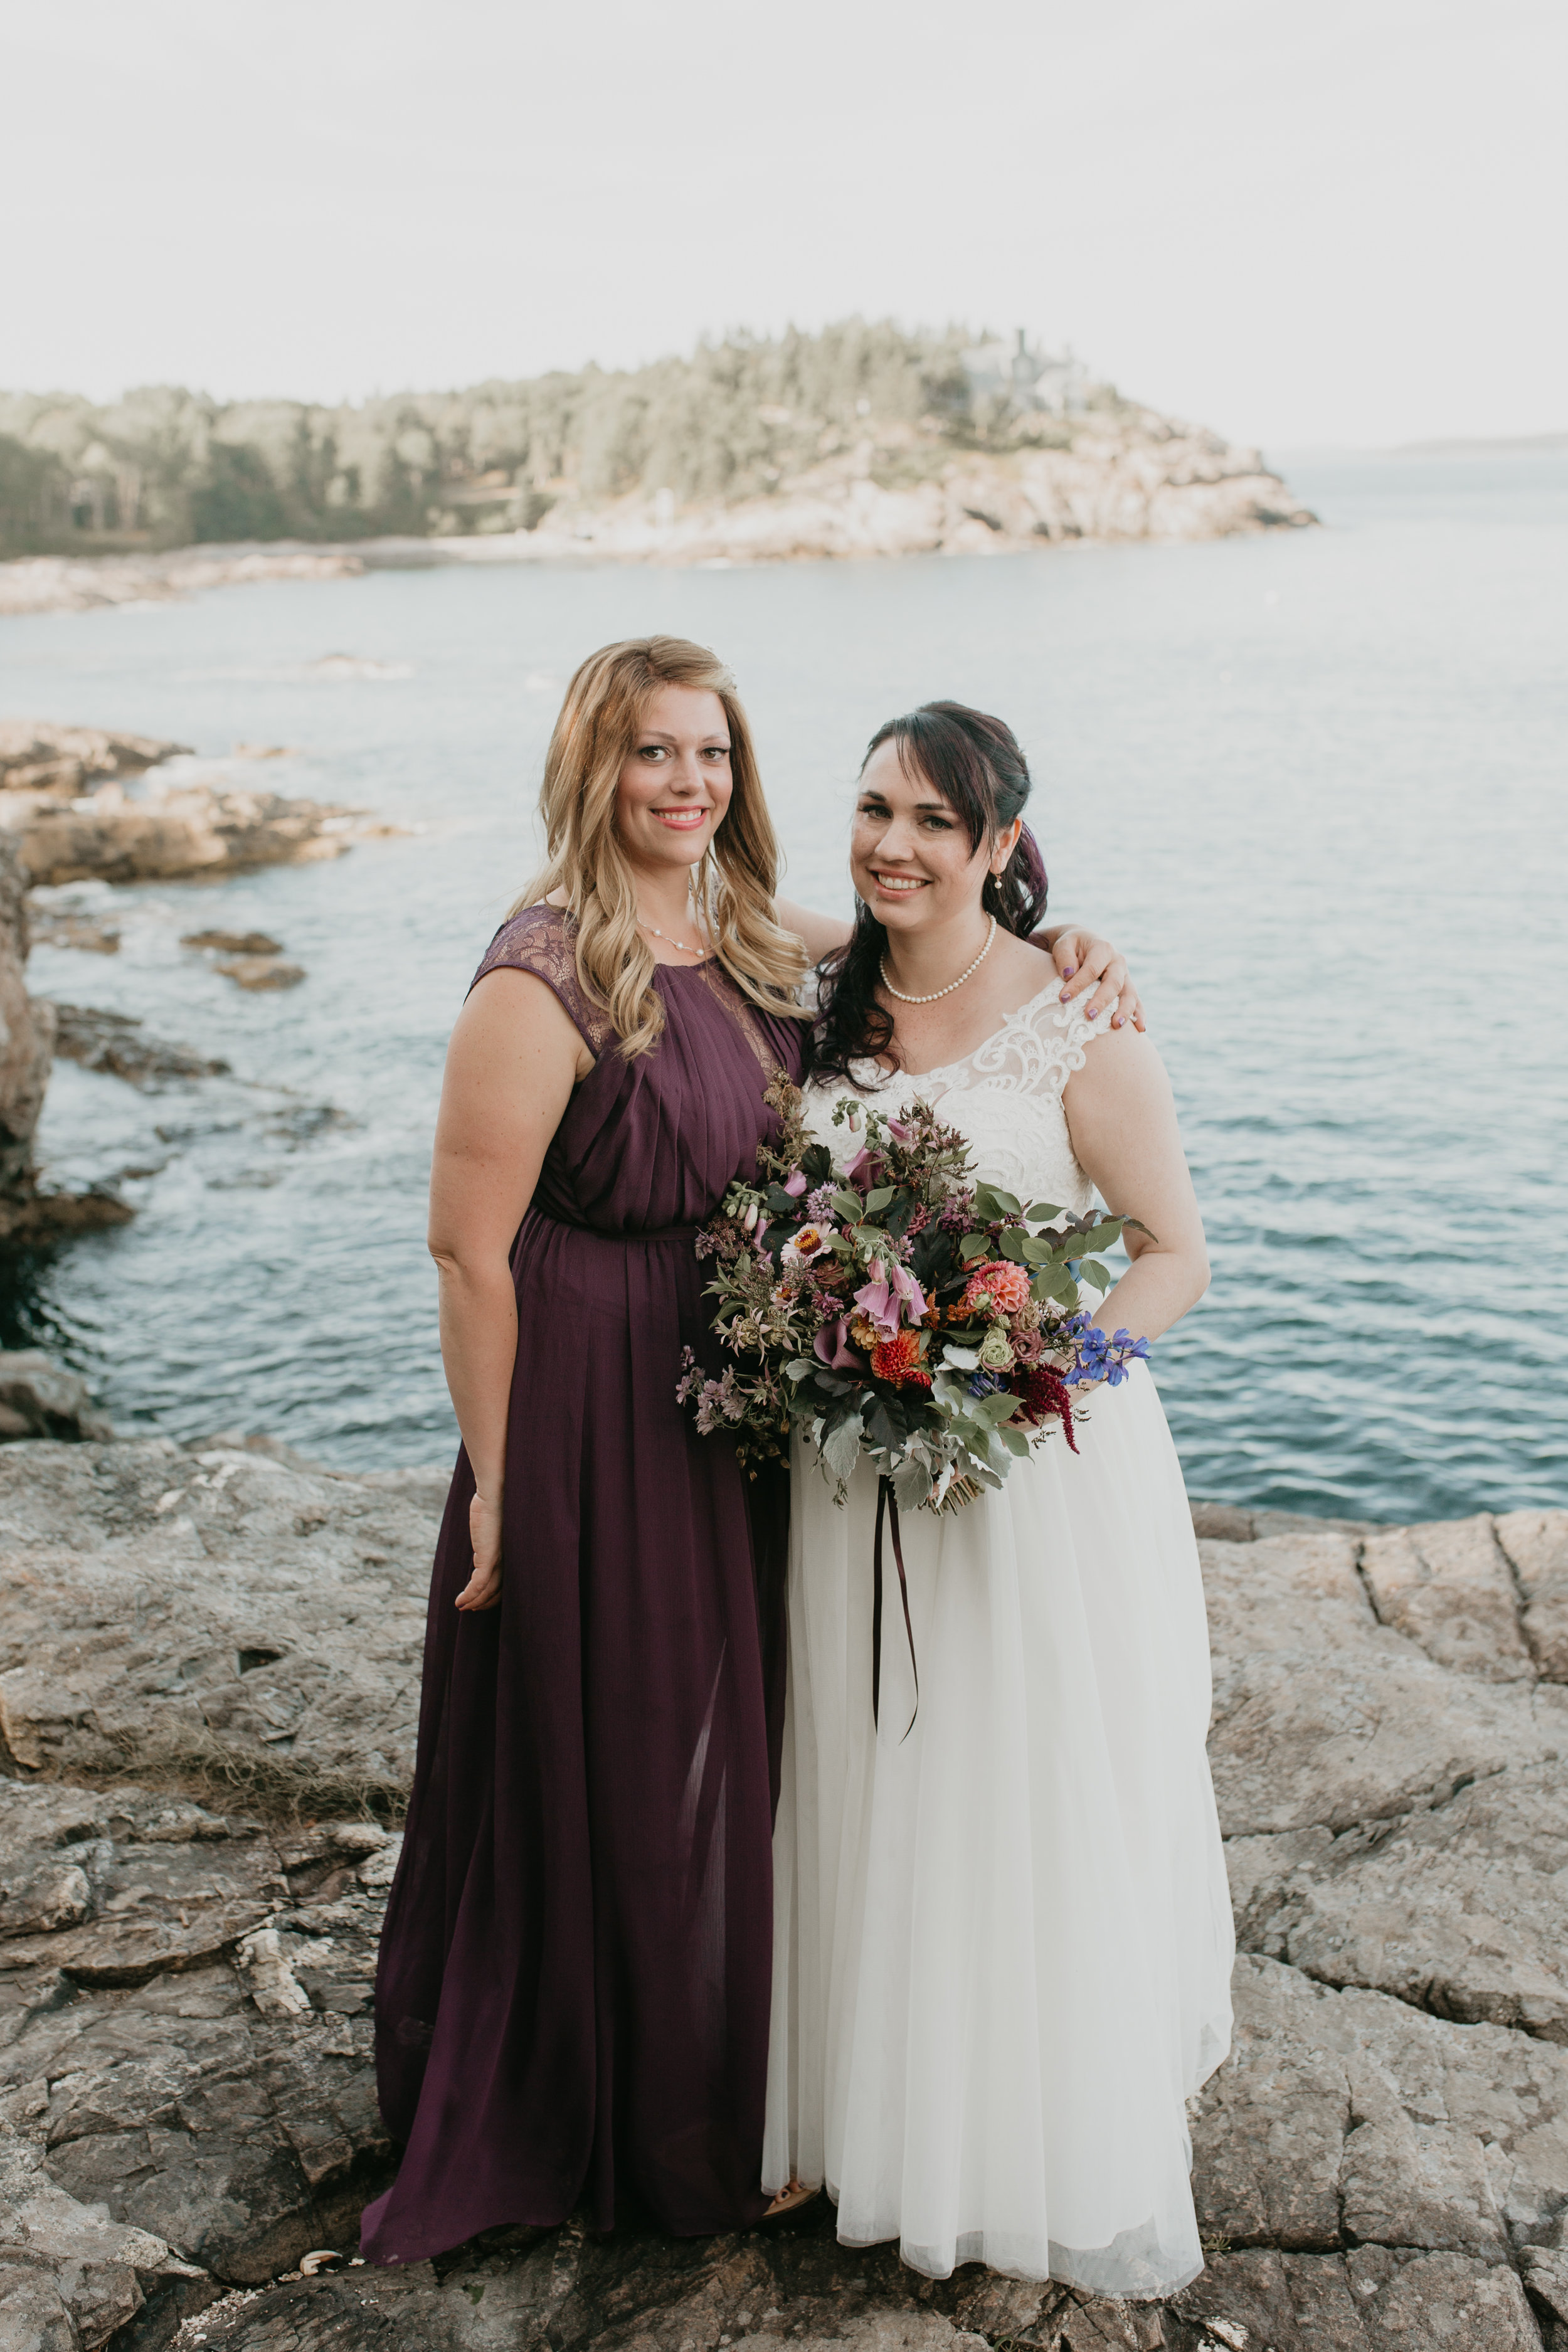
[{"x": 821, "y": 933}]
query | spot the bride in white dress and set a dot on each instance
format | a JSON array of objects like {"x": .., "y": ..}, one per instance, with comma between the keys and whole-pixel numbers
[{"x": 1002, "y": 1944}]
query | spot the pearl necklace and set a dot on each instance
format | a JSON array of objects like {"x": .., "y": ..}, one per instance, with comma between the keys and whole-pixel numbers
[
  {"x": 951, "y": 984},
  {"x": 681, "y": 944}
]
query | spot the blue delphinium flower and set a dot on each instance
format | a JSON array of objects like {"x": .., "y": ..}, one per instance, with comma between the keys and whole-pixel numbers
[{"x": 1096, "y": 1358}]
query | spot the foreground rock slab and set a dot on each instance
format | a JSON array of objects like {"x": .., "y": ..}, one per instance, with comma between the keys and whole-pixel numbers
[
  {"x": 208, "y": 1680},
  {"x": 216, "y": 1612},
  {"x": 184, "y": 2023}
]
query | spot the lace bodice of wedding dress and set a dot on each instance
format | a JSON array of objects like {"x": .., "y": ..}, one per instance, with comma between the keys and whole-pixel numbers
[{"x": 1005, "y": 1097}]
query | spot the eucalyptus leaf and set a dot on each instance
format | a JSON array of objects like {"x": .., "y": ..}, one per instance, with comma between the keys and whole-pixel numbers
[
  {"x": 879, "y": 1197},
  {"x": 849, "y": 1206},
  {"x": 1090, "y": 1270},
  {"x": 912, "y": 1484},
  {"x": 1013, "y": 1243},
  {"x": 1001, "y": 1405},
  {"x": 1015, "y": 1440},
  {"x": 1041, "y": 1212},
  {"x": 841, "y": 1447},
  {"x": 974, "y": 1246}
]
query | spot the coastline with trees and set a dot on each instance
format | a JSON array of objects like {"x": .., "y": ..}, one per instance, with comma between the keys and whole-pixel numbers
[{"x": 862, "y": 439}]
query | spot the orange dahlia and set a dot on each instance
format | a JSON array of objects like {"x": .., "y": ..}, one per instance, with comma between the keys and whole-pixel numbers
[{"x": 898, "y": 1359}]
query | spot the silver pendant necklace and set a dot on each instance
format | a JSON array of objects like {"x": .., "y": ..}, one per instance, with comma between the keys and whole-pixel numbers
[{"x": 951, "y": 984}]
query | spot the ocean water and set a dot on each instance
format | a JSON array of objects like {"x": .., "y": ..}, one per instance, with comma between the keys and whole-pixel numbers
[{"x": 1313, "y": 784}]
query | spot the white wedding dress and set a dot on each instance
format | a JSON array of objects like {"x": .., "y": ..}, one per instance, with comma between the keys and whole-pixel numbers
[{"x": 1003, "y": 1942}]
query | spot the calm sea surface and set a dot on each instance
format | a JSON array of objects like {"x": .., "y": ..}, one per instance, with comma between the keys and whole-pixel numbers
[{"x": 1314, "y": 785}]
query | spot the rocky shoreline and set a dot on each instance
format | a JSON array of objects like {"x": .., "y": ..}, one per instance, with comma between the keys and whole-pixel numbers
[
  {"x": 65, "y": 806},
  {"x": 83, "y": 805},
  {"x": 209, "y": 1664}
]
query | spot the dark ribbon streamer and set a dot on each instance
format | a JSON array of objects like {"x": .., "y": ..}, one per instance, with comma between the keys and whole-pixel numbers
[{"x": 888, "y": 1503}]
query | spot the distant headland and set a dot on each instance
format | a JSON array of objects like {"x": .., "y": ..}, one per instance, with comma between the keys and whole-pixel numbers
[{"x": 863, "y": 439}]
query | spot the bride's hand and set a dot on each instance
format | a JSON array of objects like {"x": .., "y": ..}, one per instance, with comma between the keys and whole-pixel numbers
[
  {"x": 482, "y": 1589},
  {"x": 1085, "y": 962}
]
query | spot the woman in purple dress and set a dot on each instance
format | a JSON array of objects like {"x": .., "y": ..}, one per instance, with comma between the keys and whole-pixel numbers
[{"x": 573, "y": 1996}]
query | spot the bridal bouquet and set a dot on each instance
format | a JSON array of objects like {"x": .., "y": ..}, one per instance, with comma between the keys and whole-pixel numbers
[{"x": 897, "y": 1308}]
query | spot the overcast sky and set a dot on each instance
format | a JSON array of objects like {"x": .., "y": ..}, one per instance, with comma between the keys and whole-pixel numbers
[{"x": 1333, "y": 223}]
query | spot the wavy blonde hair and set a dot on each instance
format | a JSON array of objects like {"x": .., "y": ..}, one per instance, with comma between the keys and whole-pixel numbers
[{"x": 734, "y": 883}]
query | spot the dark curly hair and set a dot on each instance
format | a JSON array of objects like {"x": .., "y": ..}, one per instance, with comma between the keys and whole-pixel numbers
[{"x": 975, "y": 764}]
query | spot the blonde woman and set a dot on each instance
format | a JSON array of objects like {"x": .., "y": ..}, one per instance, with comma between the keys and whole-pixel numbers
[{"x": 573, "y": 1996}]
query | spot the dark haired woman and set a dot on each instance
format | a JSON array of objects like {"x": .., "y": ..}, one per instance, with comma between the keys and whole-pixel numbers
[{"x": 1002, "y": 1941}]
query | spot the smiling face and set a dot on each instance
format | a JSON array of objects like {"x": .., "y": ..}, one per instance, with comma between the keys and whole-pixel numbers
[
  {"x": 910, "y": 854},
  {"x": 675, "y": 782}
]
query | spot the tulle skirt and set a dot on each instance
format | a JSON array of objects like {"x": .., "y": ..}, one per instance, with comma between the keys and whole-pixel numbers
[{"x": 1002, "y": 1937}]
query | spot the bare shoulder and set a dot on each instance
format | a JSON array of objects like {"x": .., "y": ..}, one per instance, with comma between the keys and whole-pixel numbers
[
  {"x": 513, "y": 1016},
  {"x": 1120, "y": 1067},
  {"x": 1022, "y": 967}
]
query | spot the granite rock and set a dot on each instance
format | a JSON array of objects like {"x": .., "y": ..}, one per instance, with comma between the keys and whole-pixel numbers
[
  {"x": 1535, "y": 1544},
  {"x": 185, "y": 1983},
  {"x": 39, "y": 1399},
  {"x": 1451, "y": 1588},
  {"x": 65, "y": 927},
  {"x": 261, "y": 972},
  {"x": 217, "y": 1612},
  {"x": 119, "y": 1046},
  {"x": 246, "y": 943},
  {"x": 37, "y": 755},
  {"x": 172, "y": 829},
  {"x": 26, "y": 1039}
]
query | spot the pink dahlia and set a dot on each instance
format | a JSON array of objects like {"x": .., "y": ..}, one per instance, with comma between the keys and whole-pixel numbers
[{"x": 997, "y": 1287}]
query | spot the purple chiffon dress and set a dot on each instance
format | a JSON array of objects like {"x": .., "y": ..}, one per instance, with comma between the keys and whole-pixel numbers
[{"x": 572, "y": 2001}]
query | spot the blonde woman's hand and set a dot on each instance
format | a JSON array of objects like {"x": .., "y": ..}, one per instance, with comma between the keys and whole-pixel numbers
[
  {"x": 482, "y": 1589},
  {"x": 1086, "y": 962}
]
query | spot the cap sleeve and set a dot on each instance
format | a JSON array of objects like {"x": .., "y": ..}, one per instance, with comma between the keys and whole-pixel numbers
[
  {"x": 1077, "y": 1028},
  {"x": 543, "y": 940}
]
